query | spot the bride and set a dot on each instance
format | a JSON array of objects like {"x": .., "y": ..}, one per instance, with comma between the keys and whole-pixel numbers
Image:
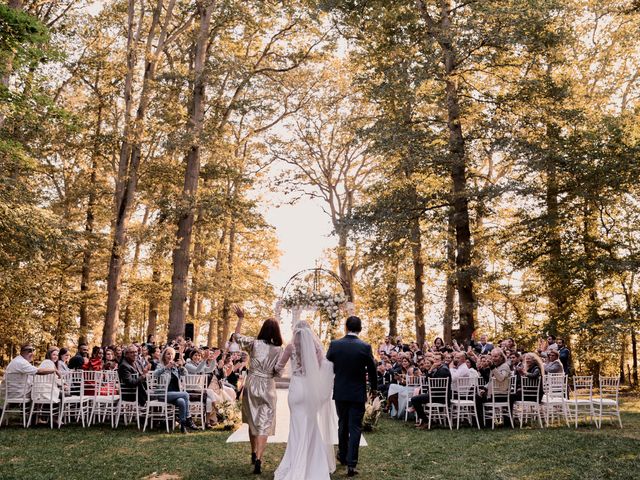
[{"x": 309, "y": 453}]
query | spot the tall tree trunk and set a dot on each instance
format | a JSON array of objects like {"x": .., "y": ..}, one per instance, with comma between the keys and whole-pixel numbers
[
  {"x": 130, "y": 154},
  {"x": 226, "y": 302},
  {"x": 132, "y": 277},
  {"x": 181, "y": 258},
  {"x": 458, "y": 171},
  {"x": 631, "y": 316},
  {"x": 215, "y": 326},
  {"x": 554, "y": 284},
  {"x": 87, "y": 255},
  {"x": 392, "y": 294},
  {"x": 343, "y": 265},
  {"x": 418, "y": 279},
  {"x": 450, "y": 286},
  {"x": 154, "y": 303}
]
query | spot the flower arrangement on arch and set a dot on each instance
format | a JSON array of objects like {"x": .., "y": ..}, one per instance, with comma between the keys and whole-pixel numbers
[{"x": 329, "y": 304}]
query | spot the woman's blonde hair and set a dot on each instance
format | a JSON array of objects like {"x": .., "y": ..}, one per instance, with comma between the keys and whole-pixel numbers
[
  {"x": 536, "y": 359},
  {"x": 164, "y": 352}
]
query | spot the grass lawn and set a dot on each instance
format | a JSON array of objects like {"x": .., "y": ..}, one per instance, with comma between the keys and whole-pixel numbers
[{"x": 395, "y": 451}]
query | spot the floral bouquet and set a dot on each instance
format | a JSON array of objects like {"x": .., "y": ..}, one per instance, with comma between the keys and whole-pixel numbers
[
  {"x": 229, "y": 417},
  {"x": 372, "y": 411}
]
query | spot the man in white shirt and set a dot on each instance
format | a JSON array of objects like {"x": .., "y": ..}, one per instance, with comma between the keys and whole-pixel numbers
[
  {"x": 20, "y": 367},
  {"x": 459, "y": 368}
]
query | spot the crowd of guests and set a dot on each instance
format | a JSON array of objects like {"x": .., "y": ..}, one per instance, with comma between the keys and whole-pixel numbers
[
  {"x": 224, "y": 370},
  {"x": 399, "y": 362}
]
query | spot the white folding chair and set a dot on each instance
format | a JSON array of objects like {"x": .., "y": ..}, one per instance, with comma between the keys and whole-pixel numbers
[
  {"x": 437, "y": 408},
  {"x": 554, "y": 399},
  {"x": 580, "y": 402},
  {"x": 157, "y": 406},
  {"x": 608, "y": 404},
  {"x": 45, "y": 398},
  {"x": 411, "y": 383},
  {"x": 129, "y": 407},
  {"x": 75, "y": 404},
  {"x": 106, "y": 398},
  {"x": 495, "y": 408},
  {"x": 527, "y": 407},
  {"x": 195, "y": 385},
  {"x": 463, "y": 402},
  {"x": 15, "y": 396}
]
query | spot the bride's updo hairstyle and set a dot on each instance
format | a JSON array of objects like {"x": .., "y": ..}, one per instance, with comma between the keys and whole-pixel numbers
[{"x": 270, "y": 333}]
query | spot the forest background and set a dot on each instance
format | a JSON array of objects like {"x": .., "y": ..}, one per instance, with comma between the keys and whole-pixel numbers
[{"x": 477, "y": 161}]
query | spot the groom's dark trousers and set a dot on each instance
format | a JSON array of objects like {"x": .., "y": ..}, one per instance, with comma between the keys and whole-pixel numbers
[
  {"x": 352, "y": 363},
  {"x": 350, "y": 416}
]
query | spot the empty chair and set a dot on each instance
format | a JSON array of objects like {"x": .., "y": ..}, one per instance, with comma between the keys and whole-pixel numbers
[
  {"x": 527, "y": 407},
  {"x": 412, "y": 382},
  {"x": 463, "y": 402},
  {"x": 607, "y": 405},
  {"x": 15, "y": 396},
  {"x": 580, "y": 403}
]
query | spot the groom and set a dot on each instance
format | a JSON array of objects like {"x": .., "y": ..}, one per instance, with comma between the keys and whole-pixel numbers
[{"x": 352, "y": 361}]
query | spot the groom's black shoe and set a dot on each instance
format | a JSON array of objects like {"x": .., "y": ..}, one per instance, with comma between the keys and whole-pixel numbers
[
  {"x": 352, "y": 472},
  {"x": 341, "y": 461}
]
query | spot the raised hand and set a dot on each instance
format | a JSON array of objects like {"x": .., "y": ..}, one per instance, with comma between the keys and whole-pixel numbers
[{"x": 238, "y": 310}]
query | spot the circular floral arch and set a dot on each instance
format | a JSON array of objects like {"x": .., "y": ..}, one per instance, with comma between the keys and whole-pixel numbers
[{"x": 317, "y": 290}]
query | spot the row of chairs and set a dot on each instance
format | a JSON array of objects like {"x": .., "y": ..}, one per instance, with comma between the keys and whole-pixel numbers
[
  {"x": 89, "y": 396},
  {"x": 555, "y": 401}
]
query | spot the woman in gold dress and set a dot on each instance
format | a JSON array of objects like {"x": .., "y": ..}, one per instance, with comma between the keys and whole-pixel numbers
[{"x": 259, "y": 397}]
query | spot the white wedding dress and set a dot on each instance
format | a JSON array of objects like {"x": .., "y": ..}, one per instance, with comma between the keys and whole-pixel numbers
[{"x": 309, "y": 454}]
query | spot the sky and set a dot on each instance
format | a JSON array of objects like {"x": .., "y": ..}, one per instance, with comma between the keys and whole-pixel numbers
[{"x": 303, "y": 231}]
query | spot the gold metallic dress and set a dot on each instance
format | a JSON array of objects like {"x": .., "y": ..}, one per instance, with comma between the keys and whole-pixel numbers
[{"x": 259, "y": 394}]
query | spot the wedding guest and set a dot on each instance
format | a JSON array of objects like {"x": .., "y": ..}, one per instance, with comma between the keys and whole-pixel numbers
[
  {"x": 173, "y": 370},
  {"x": 564, "y": 354},
  {"x": 155, "y": 353},
  {"x": 259, "y": 399},
  {"x": 483, "y": 347},
  {"x": 95, "y": 362},
  {"x": 131, "y": 376},
  {"x": 553, "y": 364},
  {"x": 439, "y": 370},
  {"x": 50, "y": 361},
  {"x": 80, "y": 361},
  {"x": 63, "y": 360},
  {"x": 22, "y": 366},
  {"x": 110, "y": 360},
  {"x": 501, "y": 376},
  {"x": 387, "y": 346}
]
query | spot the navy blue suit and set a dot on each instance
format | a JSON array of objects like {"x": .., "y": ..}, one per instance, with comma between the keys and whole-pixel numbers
[{"x": 352, "y": 360}]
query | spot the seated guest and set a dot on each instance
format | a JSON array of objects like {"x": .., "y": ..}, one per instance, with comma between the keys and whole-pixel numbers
[
  {"x": 532, "y": 368},
  {"x": 514, "y": 360},
  {"x": 63, "y": 360},
  {"x": 173, "y": 370},
  {"x": 459, "y": 368},
  {"x": 49, "y": 363},
  {"x": 398, "y": 385},
  {"x": 155, "y": 354},
  {"x": 95, "y": 362},
  {"x": 553, "y": 365},
  {"x": 439, "y": 370},
  {"x": 387, "y": 346},
  {"x": 484, "y": 367},
  {"x": 22, "y": 367},
  {"x": 501, "y": 376},
  {"x": 132, "y": 376},
  {"x": 110, "y": 360},
  {"x": 80, "y": 361}
]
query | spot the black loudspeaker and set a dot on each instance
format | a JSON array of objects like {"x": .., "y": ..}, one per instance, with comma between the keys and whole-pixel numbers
[{"x": 189, "y": 331}]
